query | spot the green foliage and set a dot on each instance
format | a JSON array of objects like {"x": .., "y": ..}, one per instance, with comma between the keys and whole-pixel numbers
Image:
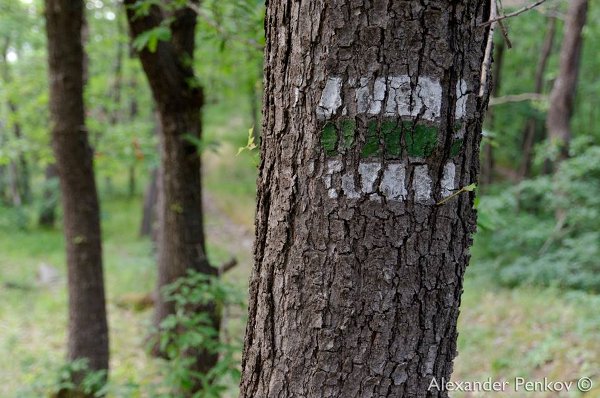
[
  {"x": 93, "y": 383},
  {"x": 524, "y": 242},
  {"x": 191, "y": 330},
  {"x": 150, "y": 38},
  {"x": 517, "y": 77},
  {"x": 250, "y": 145}
]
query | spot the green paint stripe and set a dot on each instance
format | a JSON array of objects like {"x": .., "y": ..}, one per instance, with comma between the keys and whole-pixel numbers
[
  {"x": 421, "y": 140},
  {"x": 329, "y": 139},
  {"x": 456, "y": 147},
  {"x": 348, "y": 129},
  {"x": 371, "y": 146},
  {"x": 392, "y": 138}
]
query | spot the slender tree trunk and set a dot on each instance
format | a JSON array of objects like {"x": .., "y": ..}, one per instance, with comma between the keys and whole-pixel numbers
[
  {"x": 149, "y": 211},
  {"x": 133, "y": 113},
  {"x": 487, "y": 164},
  {"x": 47, "y": 216},
  {"x": 371, "y": 121},
  {"x": 19, "y": 168},
  {"x": 149, "y": 208},
  {"x": 88, "y": 330},
  {"x": 181, "y": 244},
  {"x": 532, "y": 125},
  {"x": 562, "y": 97},
  {"x": 115, "y": 93}
]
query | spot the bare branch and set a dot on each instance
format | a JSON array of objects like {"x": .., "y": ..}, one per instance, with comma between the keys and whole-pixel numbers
[
  {"x": 493, "y": 20},
  {"x": 202, "y": 14},
  {"x": 487, "y": 58},
  {"x": 505, "y": 35},
  {"x": 227, "y": 266},
  {"x": 517, "y": 98}
]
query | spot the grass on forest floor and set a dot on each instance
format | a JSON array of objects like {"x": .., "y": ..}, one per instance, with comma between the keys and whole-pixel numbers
[{"x": 526, "y": 332}]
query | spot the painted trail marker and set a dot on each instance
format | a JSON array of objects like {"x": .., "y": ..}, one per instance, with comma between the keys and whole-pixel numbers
[{"x": 403, "y": 122}]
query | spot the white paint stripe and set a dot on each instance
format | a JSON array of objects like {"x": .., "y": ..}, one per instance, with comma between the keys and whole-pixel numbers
[
  {"x": 461, "y": 100},
  {"x": 334, "y": 166},
  {"x": 348, "y": 186},
  {"x": 362, "y": 95},
  {"x": 331, "y": 98},
  {"x": 368, "y": 175},
  {"x": 448, "y": 179},
  {"x": 398, "y": 102},
  {"x": 392, "y": 184},
  {"x": 425, "y": 101},
  {"x": 422, "y": 183},
  {"x": 428, "y": 99}
]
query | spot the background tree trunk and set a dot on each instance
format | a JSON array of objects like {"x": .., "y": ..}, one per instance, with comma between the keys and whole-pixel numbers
[
  {"x": 488, "y": 163},
  {"x": 18, "y": 168},
  {"x": 88, "y": 330},
  {"x": 47, "y": 216},
  {"x": 371, "y": 119},
  {"x": 149, "y": 208},
  {"x": 562, "y": 97},
  {"x": 531, "y": 126},
  {"x": 181, "y": 244}
]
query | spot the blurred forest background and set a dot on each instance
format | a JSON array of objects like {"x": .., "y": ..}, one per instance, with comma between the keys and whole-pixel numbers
[{"x": 530, "y": 306}]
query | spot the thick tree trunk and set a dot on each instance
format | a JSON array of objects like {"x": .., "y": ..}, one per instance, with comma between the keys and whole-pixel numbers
[
  {"x": 371, "y": 119},
  {"x": 88, "y": 331},
  {"x": 181, "y": 244},
  {"x": 562, "y": 97},
  {"x": 531, "y": 126}
]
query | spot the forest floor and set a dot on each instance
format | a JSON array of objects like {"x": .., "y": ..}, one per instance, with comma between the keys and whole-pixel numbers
[{"x": 526, "y": 332}]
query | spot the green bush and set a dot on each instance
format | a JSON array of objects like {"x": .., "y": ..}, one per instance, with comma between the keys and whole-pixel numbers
[
  {"x": 522, "y": 241},
  {"x": 190, "y": 330}
]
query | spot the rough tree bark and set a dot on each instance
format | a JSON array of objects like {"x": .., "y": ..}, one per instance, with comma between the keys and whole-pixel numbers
[
  {"x": 181, "y": 244},
  {"x": 88, "y": 330},
  {"x": 531, "y": 126},
  {"x": 371, "y": 118},
  {"x": 562, "y": 97}
]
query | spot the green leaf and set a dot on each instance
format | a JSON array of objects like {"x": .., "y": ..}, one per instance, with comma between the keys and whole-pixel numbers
[
  {"x": 251, "y": 145},
  {"x": 150, "y": 38},
  {"x": 469, "y": 188}
]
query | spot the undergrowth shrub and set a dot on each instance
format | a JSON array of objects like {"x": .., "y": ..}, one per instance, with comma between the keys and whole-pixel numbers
[
  {"x": 522, "y": 242},
  {"x": 189, "y": 330}
]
